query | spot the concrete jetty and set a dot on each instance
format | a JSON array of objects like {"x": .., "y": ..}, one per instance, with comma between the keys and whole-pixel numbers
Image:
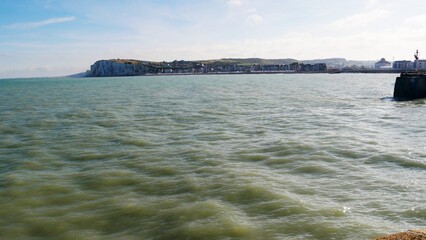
[{"x": 410, "y": 86}]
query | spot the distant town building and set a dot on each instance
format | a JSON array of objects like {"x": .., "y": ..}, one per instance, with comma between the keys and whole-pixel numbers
[
  {"x": 317, "y": 67},
  {"x": 403, "y": 65},
  {"x": 420, "y": 65},
  {"x": 382, "y": 64}
]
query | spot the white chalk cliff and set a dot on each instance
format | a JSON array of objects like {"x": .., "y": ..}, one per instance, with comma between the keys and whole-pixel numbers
[{"x": 109, "y": 68}]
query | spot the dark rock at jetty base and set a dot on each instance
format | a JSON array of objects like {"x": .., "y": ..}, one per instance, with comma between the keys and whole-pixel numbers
[
  {"x": 408, "y": 235},
  {"x": 410, "y": 86}
]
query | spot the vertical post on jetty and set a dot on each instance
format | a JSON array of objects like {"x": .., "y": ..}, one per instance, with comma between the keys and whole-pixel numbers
[{"x": 416, "y": 59}]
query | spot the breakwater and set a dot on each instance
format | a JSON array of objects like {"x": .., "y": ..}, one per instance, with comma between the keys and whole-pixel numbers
[{"x": 409, "y": 86}]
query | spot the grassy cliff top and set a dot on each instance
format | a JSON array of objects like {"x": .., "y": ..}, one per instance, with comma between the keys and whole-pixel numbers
[
  {"x": 249, "y": 61},
  {"x": 127, "y": 61},
  {"x": 224, "y": 61}
]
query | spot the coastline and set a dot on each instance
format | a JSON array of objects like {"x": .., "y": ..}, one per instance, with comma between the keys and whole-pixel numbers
[
  {"x": 82, "y": 75},
  {"x": 369, "y": 71},
  {"x": 131, "y": 67},
  {"x": 255, "y": 73}
]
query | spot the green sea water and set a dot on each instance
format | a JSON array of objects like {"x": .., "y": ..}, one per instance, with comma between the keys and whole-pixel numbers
[{"x": 312, "y": 156}]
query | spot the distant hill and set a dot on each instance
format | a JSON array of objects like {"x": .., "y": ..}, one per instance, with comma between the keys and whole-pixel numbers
[
  {"x": 340, "y": 62},
  {"x": 331, "y": 62},
  {"x": 250, "y": 61}
]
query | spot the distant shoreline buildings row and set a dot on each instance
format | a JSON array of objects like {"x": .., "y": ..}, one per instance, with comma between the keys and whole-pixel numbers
[{"x": 401, "y": 65}]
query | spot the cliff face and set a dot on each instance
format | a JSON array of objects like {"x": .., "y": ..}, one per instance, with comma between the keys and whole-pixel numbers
[
  {"x": 131, "y": 67},
  {"x": 110, "y": 68}
]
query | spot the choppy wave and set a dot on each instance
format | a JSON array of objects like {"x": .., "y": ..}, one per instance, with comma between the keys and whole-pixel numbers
[{"x": 210, "y": 157}]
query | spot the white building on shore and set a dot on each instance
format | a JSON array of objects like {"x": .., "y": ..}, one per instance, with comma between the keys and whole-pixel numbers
[{"x": 382, "y": 64}]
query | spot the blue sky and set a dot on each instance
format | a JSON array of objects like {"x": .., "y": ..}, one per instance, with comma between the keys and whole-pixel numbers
[{"x": 60, "y": 37}]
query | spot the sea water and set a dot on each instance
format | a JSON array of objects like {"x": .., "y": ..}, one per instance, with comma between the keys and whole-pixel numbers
[{"x": 283, "y": 156}]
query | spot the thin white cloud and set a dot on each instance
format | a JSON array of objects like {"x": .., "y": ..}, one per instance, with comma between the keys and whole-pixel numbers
[
  {"x": 31, "y": 25},
  {"x": 359, "y": 20},
  {"x": 234, "y": 3},
  {"x": 255, "y": 19},
  {"x": 417, "y": 20},
  {"x": 372, "y": 3},
  {"x": 45, "y": 3}
]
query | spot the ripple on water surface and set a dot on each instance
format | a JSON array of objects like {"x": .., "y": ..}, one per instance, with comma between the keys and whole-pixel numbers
[{"x": 209, "y": 157}]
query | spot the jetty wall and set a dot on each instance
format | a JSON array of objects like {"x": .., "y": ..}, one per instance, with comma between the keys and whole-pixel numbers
[{"x": 410, "y": 86}]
